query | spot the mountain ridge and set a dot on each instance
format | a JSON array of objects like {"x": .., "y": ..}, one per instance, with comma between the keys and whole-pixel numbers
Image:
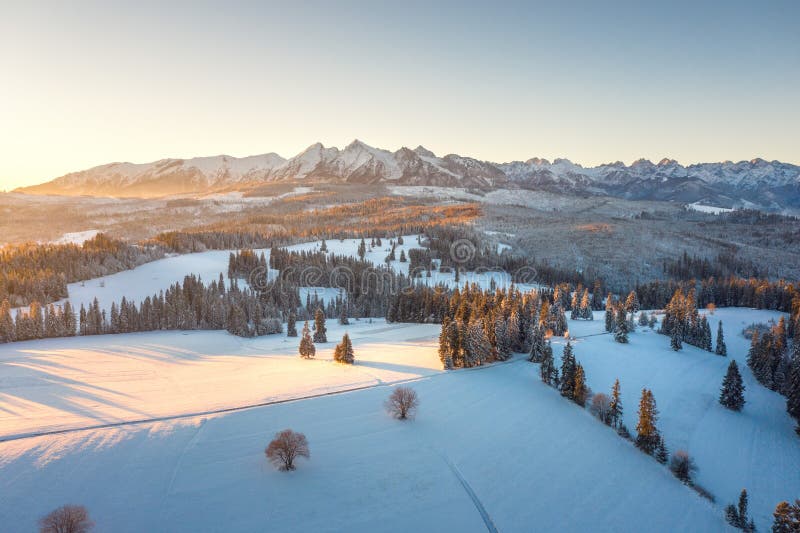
[{"x": 767, "y": 184}]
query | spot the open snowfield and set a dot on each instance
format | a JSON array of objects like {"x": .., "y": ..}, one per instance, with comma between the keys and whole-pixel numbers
[
  {"x": 58, "y": 384},
  {"x": 756, "y": 449},
  {"x": 491, "y": 449}
]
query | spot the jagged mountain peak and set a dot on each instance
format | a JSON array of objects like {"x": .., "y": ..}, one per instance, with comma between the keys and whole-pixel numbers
[{"x": 756, "y": 181}]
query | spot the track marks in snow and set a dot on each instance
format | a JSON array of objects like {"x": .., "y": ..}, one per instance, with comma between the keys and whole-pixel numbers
[{"x": 471, "y": 493}]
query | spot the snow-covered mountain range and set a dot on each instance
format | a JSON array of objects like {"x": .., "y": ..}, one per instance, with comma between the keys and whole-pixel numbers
[{"x": 767, "y": 184}]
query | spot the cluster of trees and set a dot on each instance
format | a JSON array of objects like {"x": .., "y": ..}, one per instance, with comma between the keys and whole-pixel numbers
[
  {"x": 737, "y": 515},
  {"x": 725, "y": 292},
  {"x": 619, "y": 316},
  {"x": 482, "y": 326},
  {"x": 682, "y": 323},
  {"x": 725, "y": 264},
  {"x": 41, "y": 272},
  {"x": 183, "y": 306},
  {"x": 775, "y": 366},
  {"x": 39, "y": 322}
]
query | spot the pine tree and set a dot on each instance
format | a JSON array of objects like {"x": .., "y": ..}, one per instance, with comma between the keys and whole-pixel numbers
[
  {"x": 344, "y": 351},
  {"x": 632, "y": 303},
  {"x": 307, "y": 348},
  {"x": 586, "y": 306},
  {"x": 502, "y": 340},
  {"x": 580, "y": 390},
  {"x": 343, "y": 321},
  {"x": 291, "y": 325},
  {"x": 621, "y": 327},
  {"x": 647, "y": 435},
  {"x": 793, "y": 381},
  {"x": 548, "y": 370},
  {"x": 732, "y": 393},
  {"x": 786, "y": 518},
  {"x": 6, "y": 323},
  {"x": 403, "y": 256},
  {"x": 661, "y": 454},
  {"x": 568, "y": 369},
  {"x": 721, "y": 348},
  {"x": 362, "y": 249},
  {"x": 537, "y": 345},
  {"x": 737, "y": 515},
  {"x": 478, "y": 349},
  {"x": 615, "y": 406},
  {"x": 610, "y": 315},
  {"x": 320, "y": 332},
  {"x": 675, "y": 340},
  {"x": 445, "y": 349}
]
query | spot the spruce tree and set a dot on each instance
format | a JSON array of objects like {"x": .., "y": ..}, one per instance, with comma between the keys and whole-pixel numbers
[
  {"x": 320, "y": 332},
  {"x": 580, "y": 391},
  {"x": 793, "y": 381},
  {"x": 344, "y": 351},
  {"x": 737, "y": 515},
  {"x": 6, "y": 323},
  {"x": 307, "y": 348},
  {"x": 732, "y": 393},
  {"x": 547, "y": 370},
  {"x": 615, "y": 406},
  {"x": 568, "y": 368},
  {"x": 661, "y": 454},
  {"x": 721, "y": 349},
  {"x": 343, "y": 321},
  {"x": 786, "y": 518},
  {"x": 675, "y": 340},
  {"x": 291, "y": 325},
  {"x": 647, "y": 435},
  {"x": 621, "y": 327},
  {"x": 362, "y": 249}
]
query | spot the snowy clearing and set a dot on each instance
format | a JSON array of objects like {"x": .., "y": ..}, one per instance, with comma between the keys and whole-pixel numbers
[
  {"x": 58, "y": 384},
  {"x": 489, "y": 446},
  {"x": 756, "y": 449}
]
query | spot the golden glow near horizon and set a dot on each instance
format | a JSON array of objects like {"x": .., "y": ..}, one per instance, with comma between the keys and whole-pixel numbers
[{"x": 106, "y": 82}]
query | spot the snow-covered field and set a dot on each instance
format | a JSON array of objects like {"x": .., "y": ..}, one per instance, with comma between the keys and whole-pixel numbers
[
  {"x": 697, "y": 206},
  {"x": 756, "y": 449},
  {"x": 58, "y": 384},
  {"x": 490, "y": 448}
]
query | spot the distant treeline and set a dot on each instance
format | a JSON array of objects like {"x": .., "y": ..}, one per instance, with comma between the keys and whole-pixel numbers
[{"x": 41, "y": 272}]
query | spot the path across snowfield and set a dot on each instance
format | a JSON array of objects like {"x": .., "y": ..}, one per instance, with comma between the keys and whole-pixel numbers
[
  {"x": 756, "y": 449},
  {"x": 492, "y": 446}
]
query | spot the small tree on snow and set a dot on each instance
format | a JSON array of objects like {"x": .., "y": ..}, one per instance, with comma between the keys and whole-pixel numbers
[
  {"x": 67, "y": 519},
  {"x": 320, "y": 332},
  {"x": 285, "y": 448},
  {"x": 343, "y": 353},
  {"x": 682, "y": 466},
  {"x": 601, "y": 407},
  {"x": 307, "y": 348},
  {"x": 402, "y": 403},
  {"x": 737, "y": 515},
  {"x": 732, "y": 393}
]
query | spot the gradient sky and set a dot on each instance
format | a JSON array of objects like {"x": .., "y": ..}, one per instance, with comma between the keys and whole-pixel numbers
[{"x": 91, "y": 83}]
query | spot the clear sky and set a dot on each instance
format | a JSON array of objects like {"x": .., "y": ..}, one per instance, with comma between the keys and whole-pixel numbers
[{"x": 85, "y": 83}]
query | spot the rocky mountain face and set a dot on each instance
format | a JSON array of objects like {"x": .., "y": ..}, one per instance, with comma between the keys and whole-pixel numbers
[{"x": 766, "y": 184}]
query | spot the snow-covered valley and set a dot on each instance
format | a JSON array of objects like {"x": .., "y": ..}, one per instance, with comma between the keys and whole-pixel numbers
[{"x": 528, "y": 457}]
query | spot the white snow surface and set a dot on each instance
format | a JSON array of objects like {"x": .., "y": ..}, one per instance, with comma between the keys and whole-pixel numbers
[
  {"x": 696, "y": 206},
  {"x": 490, "y": 448},
  {"x": 78, "y": 237},
  {"x": 756, "y": 449}
]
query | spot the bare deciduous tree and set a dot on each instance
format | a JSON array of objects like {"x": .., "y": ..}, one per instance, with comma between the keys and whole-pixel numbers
[
  {"x": 601, "y": 407},
  {"x": 402, "y": 403},
  {"x": 285, "y": 448},
  {"x": 67, "y": 519},
  {"x": 683, "y": 466}
]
